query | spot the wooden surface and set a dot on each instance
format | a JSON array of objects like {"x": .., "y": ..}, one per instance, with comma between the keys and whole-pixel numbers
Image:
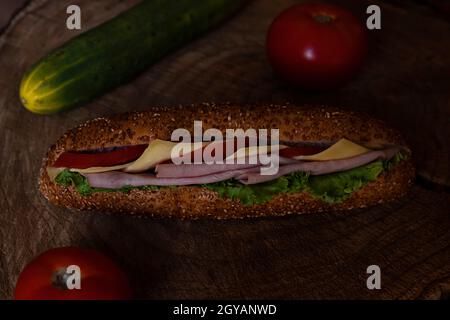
[
  {"x": 8, "y": 8},
  {"x": 405, "y": 81}
]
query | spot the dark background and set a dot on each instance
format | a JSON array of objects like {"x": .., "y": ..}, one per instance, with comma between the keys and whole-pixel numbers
[
  {"x": 8, "y": 8},
  {"x": 405, "y": 82}
]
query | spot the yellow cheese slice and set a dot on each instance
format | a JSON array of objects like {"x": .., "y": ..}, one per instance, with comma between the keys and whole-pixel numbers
[
  {"x": 253, "y": 151},
  {"x": 340, "y": 150},
  {"x": 156, "y": 152},
  {"x": 53, "y": 172},
  {"x": 159, "y": 151},
  {"x": 101, "y": 169}
]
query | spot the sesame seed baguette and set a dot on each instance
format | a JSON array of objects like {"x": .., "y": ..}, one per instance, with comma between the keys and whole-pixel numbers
[{"x": 295, "y": 123}]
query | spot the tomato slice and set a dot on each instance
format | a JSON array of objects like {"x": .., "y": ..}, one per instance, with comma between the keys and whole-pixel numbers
[
  {"x": 292, "y": 152},
  {"x": 83, "y": 160},
  {"x": 88, "y": 159}
]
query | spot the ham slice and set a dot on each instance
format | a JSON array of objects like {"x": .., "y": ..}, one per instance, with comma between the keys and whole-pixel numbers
[
  {"x": 320, "y": 167},
  {"x": 170, "y": 170},
  {"x": 246, "y": 175},
  {"x": 117, "y": 179}
]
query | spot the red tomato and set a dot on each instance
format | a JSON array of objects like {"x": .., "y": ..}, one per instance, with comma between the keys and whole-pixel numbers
[
  {"x": 292, "y": 152},
  {"x": 44, "y": 278},
  {"x": 316, "y": 46},
  {"x": 83, "y": 160}
]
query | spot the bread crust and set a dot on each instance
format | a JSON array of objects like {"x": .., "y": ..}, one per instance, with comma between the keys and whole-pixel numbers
[{"x": 295, "y": 123}]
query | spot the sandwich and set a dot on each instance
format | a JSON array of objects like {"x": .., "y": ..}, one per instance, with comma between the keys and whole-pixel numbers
[{"x": 228, "y": 161}]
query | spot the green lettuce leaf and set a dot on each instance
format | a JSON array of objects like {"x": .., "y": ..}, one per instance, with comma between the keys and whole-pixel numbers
[
  {"x": 262, "y": 192},
  {"x": 336, "y": 187},
  {"x": 298, "y": 181},
  {"x": 67, "y": 178},
  {"x": 249, "y": 194},
  {"x": 398, "y": 157},
  {"x": 331, "y": 188}
]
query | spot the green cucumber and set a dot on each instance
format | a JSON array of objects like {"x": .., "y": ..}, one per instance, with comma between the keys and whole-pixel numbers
[{"x": 115, "y": 52}]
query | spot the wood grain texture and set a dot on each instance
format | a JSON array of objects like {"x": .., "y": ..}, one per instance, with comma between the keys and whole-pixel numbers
[
  {"x": 405, "y": 82},
  {"x": 8, "y": 8}
]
